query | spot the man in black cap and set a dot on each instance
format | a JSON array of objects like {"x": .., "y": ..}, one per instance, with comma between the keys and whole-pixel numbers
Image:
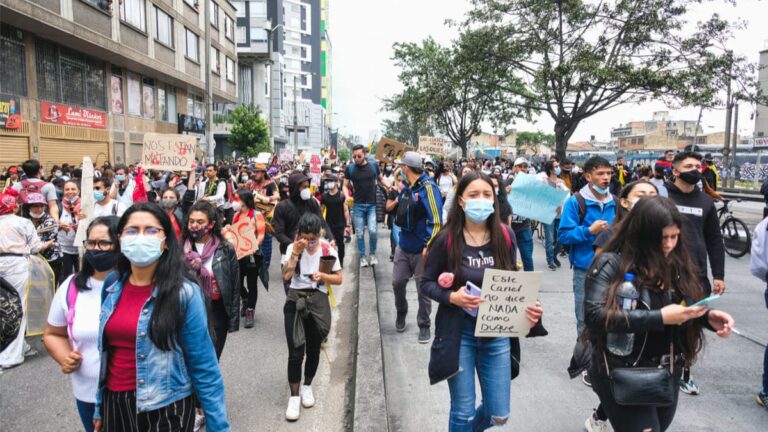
[{"x": 709, "y": 172}]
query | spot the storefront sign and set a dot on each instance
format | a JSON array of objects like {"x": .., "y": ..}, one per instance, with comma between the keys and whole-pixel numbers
[
  {"x": 431, "y": 145},
  {"x": 9, "y": 112},
  {"x": 191, "y": 124},
  {"x": 506, "y": 294},
  {"x": 72, "y": 116},
  {"x": 168, "y": 152}
]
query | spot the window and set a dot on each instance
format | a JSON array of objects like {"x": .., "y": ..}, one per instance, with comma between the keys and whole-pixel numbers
[
  {"x": 13, "y": 74},
  {"x": 241, "y": 35},
  {"x": 215, "y": 66},
  {"x": 191, "y": 46},
  {"x": 170, "y": 104},
  {"x": 259, "y": 34},
  {"x": 148, "y": 98},
  {"x": 192, "y": 3},
  {"x": 101, "y": 5},
  {"x": 67, "y": 76},
  {"x": 117, "y": 94},
  {"x": 195, "y": 105},
  {"x": 229, "y": 28},
  {"x": 134, "y": 94},
  {"x": 214, "y": 14},
  {"x": 258, "y": 9},
  {"x": 133, "y": 13},
  {"x": 164, "y": 28},
  {"x": 230, "y": 69},
  {"x": 239, "y": 8}
]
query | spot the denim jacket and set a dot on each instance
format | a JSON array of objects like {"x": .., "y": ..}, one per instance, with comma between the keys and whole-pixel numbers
[{"x": 163, "y": 377}]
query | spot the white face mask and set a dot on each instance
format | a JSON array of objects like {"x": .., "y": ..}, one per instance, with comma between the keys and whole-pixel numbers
[
  {"x": 236, "y": 206},
  {"x": 305, "y": 194}
]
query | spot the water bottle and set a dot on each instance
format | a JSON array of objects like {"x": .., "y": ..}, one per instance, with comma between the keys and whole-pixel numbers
[{"x": 621, "y": 344}]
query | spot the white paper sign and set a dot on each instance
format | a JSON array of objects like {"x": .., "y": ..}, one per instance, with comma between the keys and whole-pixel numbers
[
  {"x": 506, "y": 295},
  {"x": 87, "y": 202}
]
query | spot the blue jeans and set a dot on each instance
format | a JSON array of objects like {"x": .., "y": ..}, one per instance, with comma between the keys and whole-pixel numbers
[
  {"x": 550, "y": 243},
  {"x": 86, "y": 410},
  {"x": 525, "y": 246},
  {"x": 491, "y": 358},
  {"x": 362, "y": 215},
  {"x": 578, "y": 298}
]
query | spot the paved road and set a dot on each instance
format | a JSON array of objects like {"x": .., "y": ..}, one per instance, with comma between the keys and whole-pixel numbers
[
  {"x": 545, "y": 399},
  {"x": 37, "y": 397}
]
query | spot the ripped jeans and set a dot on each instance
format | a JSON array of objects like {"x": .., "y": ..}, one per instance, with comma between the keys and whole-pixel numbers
[{"x": 491, "y": 358}]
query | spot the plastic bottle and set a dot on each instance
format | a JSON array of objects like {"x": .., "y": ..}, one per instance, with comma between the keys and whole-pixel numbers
[{"x": 621, "y": 344}]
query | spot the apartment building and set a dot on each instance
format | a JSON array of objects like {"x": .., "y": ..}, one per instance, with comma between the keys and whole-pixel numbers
[
  {"x": 659, "y": 133},
  {"x": 91, "y": 77}
]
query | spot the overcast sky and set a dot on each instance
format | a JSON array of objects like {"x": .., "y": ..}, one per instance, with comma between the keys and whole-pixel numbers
[{"x": 362, "y": 33}]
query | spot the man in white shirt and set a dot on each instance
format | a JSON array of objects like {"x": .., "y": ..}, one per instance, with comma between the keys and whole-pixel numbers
[
  {"x": 212, "y": 189},
  {"x": 104, "y": 204}
]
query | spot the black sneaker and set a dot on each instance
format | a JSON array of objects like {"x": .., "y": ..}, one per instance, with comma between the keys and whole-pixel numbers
[
  {"x": 391, "y": 258},
  {"x": 557, "y": 263},
  {"x": 552, "y": 266},
  {"x": 424, "y": 335},
  {"x": 400, "y": 323},
  {"x": 243, "y": 308}
]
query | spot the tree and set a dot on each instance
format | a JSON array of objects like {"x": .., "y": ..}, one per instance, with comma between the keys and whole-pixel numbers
[
  {"x": 410, "y": 121},
  {"x": 530, "y": 142},
  {"x": 343, "y": 154},
  {"x": 580, "y": 58},
  {"x": 454, "y": 87},
  {"x": 250, "y": 133}
]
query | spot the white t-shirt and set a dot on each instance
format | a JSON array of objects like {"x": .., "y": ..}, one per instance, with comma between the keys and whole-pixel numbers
[
  {"x": 308, "y": 265},
  {"x": 109, "y": 209},
  {"x": 86, "y": 330},
  {"x": 209, "y": 262},
  {"x": 445, "y": 184}
]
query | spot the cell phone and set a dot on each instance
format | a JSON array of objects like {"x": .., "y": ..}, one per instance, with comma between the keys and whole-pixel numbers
[
  {"x": 472, "y": 289},
  {"x": 704, "y": 302}
]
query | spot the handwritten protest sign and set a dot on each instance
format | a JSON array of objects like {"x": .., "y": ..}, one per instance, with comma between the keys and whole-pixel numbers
[
  {"x": 86, "y": 203},
  {"x": 389, "y": 150},
  {"x": 506, "y": 295},
  {"x": 431, "y": 145},
  {"x": 286, "y": 155},
  {"x": 168, "y": 152},
  {"x": 242, "y": 235},
  {"x": 534, "y": 199}
]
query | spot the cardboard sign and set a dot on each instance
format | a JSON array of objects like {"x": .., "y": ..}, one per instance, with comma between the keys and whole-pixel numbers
[
  {"x": 506, "y": 295},
  {"x": 286, "y": 155},
  {"x": 389, "y": 150},
  {"x": 431, "y": 145},
  {"x": 242, "y": 235},
  {"x": 534, "y": 199},
  {"x": 168, "y": 152}
]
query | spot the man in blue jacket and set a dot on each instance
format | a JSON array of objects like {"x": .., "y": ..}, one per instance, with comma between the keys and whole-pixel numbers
[
  {"x": 586, "y": 214},
  {"x": 418, "y": 215}
]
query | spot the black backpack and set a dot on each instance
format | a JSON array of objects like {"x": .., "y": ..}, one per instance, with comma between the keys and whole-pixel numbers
[{"x": 10, "y": 313}]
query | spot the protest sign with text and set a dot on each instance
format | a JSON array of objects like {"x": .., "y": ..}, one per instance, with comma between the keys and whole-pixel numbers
[
  {"x": 506, "y": 294},
  {"x": 242, "y": 235},
  {"x": 534, "y": 199},
  {"x": 431, "y": 145},
  {"x": 168, "y": 152},
  {"x": 389, "y": 150}
]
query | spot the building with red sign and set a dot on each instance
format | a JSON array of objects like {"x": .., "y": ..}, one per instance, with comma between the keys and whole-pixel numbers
[{"x": 91, "y": 77}]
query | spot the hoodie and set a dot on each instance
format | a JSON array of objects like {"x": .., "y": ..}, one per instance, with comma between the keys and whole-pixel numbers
[
  {"x": 576, "y": 233},
  {"x": 701, "y": 232},
  {"x": 285, "y": 220}
]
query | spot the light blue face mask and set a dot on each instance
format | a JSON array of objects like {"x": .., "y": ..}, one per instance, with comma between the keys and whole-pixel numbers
[
  {"x": 602, "y": 191},
  {"x": 142, "y": 250},
  {"x": 557, "y": 171},
  {"x": 478, "y": 210},
  {"x": 98, "y": 196},
  {"x": 120, "y": 177}
]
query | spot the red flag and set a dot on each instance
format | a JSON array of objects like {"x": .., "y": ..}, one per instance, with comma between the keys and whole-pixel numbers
[{"x": 140, "y": 192}]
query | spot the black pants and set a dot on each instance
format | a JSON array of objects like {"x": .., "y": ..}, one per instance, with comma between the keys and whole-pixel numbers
[
  {"x": 296, "y": 354},
  {"x": 338, "y": 235},
  {"x": 69, "y": 264},
  {"x": 118, "y": 413},
  {"x": 228, "y": 214},
  {"x": 220, "y": 325},
  {"x": 633, "y": 418},
  {"x": 56, "y": 267},
  {"x": 249, "y": 271}
]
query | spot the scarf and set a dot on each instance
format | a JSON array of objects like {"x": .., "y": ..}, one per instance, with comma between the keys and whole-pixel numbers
[
  {"x": 71, "y": 208},
  {"x": 139, "y": 192},
  {"x": 196, "y": 260}
]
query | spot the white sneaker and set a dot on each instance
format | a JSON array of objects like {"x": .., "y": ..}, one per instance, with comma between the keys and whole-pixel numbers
[
  {"x": 372, "y": 260},
  {"x": 363, "y": 262},
  {"x": 199, "y": 421},
  {"x": 593, "y": 424},
  {"x": 294, "y": 408},
  {"x": 307, "y": 397}
]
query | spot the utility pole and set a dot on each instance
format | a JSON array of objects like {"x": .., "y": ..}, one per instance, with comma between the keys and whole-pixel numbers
[
  {"x": 727, "y": 138},
  {"x": 271, "y": 63},
  {"x": 295, "y": 119},
  {"x": 208, "y": 88},
  {"x": 734, "y": 142}
]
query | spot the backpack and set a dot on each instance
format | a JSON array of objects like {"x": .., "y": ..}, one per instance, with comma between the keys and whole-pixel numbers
[
  {"x": 27, "y": 188},
  {"x": 71, "y": 300},
  {"x": 582, "y": 202},
  {"x": 758, "y": 260},
  {"x": 405, "y": 214},
  {"x": 11, "y": 313}
]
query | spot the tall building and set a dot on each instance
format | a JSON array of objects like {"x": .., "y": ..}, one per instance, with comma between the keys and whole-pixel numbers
[{"x": 91, "y": 77}]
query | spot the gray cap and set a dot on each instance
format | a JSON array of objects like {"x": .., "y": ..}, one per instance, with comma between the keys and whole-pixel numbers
[{"x": 410, "y": 159}]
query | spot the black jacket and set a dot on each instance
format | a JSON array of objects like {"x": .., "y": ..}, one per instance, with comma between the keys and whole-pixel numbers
[
  {"x": 226, "y": 269},
  {"x": 702, "y": 231},
  {"x": 285, "y": 219}
]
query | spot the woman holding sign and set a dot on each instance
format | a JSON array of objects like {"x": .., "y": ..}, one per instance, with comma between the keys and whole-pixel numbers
[
  {"x": 474, "y": 240},
  {"x": 638, "y": 317},
  {"x": 250, "y": 265}
]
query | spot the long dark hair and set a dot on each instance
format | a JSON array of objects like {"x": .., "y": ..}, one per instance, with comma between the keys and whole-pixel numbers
[
  {"x": 505, "y": 210},
  {"x": 621, "y": 212},
  {"x": 455, "y": 228},
  {"x": 246, "y": 197},
  {"x": 87, "y": 270},
  {"x": 638, "y": 242},
  {"x": 170, "y": 275},
  {"x": 214, "y": 218}
]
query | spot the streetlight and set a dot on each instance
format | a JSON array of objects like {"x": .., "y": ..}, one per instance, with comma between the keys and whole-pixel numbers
[{"x": 270, "y": 63}]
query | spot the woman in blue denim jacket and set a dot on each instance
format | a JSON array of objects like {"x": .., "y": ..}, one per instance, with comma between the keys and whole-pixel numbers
[{"x": 156, "y": 350}]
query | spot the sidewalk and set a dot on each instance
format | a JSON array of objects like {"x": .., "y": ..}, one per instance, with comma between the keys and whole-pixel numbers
[{"x": 543, "y": 396}]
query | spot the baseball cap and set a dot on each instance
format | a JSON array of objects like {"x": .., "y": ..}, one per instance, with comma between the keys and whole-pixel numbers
[
  {"x": 410, "y": 159},
  {"x": 12, "y": 170},
  {"x": 520, "y": 161},
  {"x": 35, "y": 198}
]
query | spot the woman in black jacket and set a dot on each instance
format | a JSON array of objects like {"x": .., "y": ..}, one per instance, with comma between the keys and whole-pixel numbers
[
  {"x": 667, "y": 333},
  {"x": 473, "y": 240}
]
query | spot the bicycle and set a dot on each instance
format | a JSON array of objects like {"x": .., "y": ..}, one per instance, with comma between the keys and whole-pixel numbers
[{"x": 736, "y": 236}]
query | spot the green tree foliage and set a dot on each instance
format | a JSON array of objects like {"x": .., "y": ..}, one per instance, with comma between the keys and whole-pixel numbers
[
  {"x": 455, "y": 88},
  {"x": 343, "y": 154},
  {"x": 528, "y": 142},
  {"x": 582, "y": 57},
  {"x": 410, "y": 122},
  {"x": 250, "y": 133}
]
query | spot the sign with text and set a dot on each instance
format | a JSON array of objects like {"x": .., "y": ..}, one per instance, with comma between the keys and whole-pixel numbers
[
  {"x": 9, "y": 109},
  {"x": 286, "y": 155},
  {"x": 389, "y": 150},
  {"x": 431, "y": 145},
  {"x": 242, "y": 235},
  {"x": 168, "y": 152},
  {"x": 72, "y": 116},
  {"x": 534, "y": 199},
  {"x": 506, "y": 295}
]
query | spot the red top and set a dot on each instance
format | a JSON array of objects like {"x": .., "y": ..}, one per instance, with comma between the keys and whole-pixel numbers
[{"x": 120, "y": 337}]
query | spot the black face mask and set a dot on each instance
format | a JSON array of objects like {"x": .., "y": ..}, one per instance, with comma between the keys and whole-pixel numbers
[
  {"x": 691, "y": 177},
  {"x": 101, "y": 260}
]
